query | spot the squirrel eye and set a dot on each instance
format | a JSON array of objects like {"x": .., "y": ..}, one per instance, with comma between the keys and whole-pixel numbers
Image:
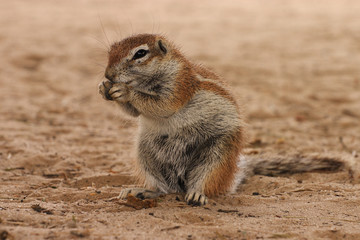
[{"x": 139, "y": 54}]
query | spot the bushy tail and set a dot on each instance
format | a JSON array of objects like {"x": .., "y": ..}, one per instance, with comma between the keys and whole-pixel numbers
[{"x": 270, "y": 165}]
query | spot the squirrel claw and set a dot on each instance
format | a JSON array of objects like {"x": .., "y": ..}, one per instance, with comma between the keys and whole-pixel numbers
[{"x": 196, "y": 199}]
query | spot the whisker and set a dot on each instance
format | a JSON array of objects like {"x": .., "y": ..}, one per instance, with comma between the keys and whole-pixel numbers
[
  {"x": 132, "y": 30},
  {"x": 100, "y": 75},
  {"x": 101, "y": 42},
  {"x": 153, "y": 24},
  {"x": 103, "y": 30},
  {"x": 99, "y": 65},
  {"x": 118, "y": 29}
]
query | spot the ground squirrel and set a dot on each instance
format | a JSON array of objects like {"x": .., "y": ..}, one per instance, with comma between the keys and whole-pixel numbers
[{"x": 191, "y": 128}]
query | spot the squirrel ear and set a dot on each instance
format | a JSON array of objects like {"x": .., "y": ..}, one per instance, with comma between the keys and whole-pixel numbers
[{"x": 162, "y": 47}]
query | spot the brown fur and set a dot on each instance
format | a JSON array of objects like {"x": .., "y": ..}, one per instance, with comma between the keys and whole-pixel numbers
[
  {"x": 186, "y": 86},
  {"x": 221, "y": 179},
  {"x": 212, "y": 87},
  {"x": 121, "y": 49},
  {"x": 205, "y": 73}
]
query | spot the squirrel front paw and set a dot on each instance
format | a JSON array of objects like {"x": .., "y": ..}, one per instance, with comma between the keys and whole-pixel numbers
[
  {"x": 196, "y": 199},
  {"x": 141, "y": 193},
  {"x": 113, "y": 91},
  {"x": 119, "y": 92},
  {"x": 104, "y": 88}
]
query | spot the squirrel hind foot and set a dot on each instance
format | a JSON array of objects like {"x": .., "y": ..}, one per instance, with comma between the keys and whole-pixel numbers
[{"x": 196, "y": 199}]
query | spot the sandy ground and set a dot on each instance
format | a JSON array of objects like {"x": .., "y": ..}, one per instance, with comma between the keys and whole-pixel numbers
[{"x": 64, "y": 151}]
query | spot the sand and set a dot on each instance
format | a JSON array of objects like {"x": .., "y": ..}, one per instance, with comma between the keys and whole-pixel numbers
[{"x": 65, "y": 152}]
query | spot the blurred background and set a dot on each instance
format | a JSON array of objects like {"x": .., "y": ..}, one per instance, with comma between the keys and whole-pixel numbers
[{"x": 292, "y": 65}]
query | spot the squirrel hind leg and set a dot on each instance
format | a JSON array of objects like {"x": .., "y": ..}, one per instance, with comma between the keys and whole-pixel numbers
[
  {"x": 215, "y": 175},
  {"x": 209, "y": 182},
  {"x": 223, "y": 177}
]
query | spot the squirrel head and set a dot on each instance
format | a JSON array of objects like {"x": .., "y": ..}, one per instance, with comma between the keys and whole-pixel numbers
[{"x": 144, "y": 62}]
